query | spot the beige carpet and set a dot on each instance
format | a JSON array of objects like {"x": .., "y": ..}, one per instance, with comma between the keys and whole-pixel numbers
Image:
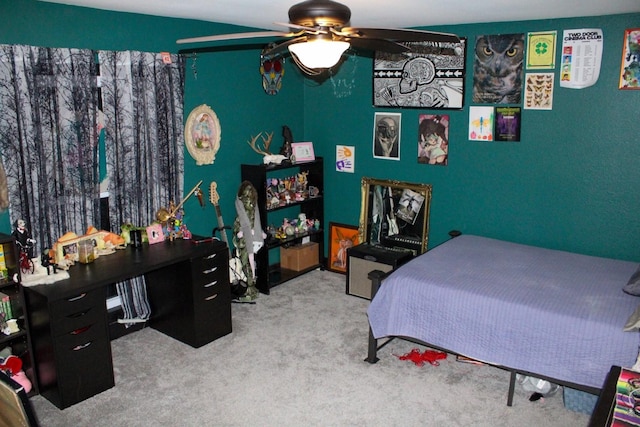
[{"x": 296, "y": 359}]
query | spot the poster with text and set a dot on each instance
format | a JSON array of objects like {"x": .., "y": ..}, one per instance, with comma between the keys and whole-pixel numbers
[
  {"x": 541, "y": 49},
  {"x": 497, "y": 69},
  {"x": 507, "y": 124},
  {"x": 581, "y": 58},
  {"x": 345, "y": 158}
]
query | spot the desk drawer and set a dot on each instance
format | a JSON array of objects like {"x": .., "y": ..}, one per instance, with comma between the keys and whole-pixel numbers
[
  {"x": 77, "y": 304},
  {"x": 77, "y": 320}
]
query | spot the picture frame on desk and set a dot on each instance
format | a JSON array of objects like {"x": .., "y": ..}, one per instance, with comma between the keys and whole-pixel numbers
[
  {"x": 341, "y": 238},
  {"x": 303, "y": 151},
  {"x": 155, "y": 234}
]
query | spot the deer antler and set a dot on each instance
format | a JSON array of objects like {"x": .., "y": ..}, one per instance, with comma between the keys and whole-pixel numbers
[{"x": 266, "y": 142}]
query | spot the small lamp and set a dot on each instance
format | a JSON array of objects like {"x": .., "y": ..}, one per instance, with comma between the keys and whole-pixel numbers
[{"x": 319, "y": 53}]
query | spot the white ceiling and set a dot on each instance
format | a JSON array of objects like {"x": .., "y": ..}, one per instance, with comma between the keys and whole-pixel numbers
[{"x": 368, "y": 13}]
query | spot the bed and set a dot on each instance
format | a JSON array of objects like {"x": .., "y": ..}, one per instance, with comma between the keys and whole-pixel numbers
[{"x": 547, "y": 313}]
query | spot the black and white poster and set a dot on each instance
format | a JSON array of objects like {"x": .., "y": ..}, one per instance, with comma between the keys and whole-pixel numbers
[{"x": 431, "y": 75}]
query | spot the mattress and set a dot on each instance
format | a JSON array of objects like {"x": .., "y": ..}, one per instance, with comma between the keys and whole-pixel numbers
[{"x": 544, "y": 311}]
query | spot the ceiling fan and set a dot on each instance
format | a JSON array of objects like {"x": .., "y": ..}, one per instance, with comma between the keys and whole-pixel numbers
[{"x": 320, "y": 34}]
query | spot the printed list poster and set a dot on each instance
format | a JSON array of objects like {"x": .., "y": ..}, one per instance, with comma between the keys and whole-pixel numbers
[{"x": 581, "y": 58}]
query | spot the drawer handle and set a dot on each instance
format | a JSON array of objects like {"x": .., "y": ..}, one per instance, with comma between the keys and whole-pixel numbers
[
  {"x": 210, "y": 284},
  {"x": 209, "y": 271},
  {"x": 211, "y": 297},
  {"x": 79, "y": 297},
  {"x": 80, "y": 330},
  {"x": 212, "y": 256},
  {"x": 81, "y": 346},
  {"x": 79, "y": 314}
]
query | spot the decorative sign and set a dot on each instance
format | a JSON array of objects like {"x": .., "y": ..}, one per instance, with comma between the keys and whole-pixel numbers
[{"x": 431, "y": 75}]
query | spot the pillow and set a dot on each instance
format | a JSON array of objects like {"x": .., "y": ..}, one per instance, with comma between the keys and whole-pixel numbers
[
  {"x": 633, "y": 285},
  {"x": 633, "y": 323}
]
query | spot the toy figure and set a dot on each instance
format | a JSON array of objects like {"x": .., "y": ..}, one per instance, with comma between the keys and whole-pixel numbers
[
  {"x": 248, "y": 237},
  {"x": 23, "y": 238}
]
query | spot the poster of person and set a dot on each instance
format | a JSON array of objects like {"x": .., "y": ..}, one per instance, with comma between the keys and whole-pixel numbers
[
  {"x": 497, "y": 69},
  {"x": 386, "y": 136},
  {"x": 409, "y": 206},
  {"x": 433, "y": 139},
  {"x": 431, "y": 75}
]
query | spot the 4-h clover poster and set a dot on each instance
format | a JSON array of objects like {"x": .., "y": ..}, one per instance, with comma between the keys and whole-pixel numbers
[{"x": 541, "y": 49}]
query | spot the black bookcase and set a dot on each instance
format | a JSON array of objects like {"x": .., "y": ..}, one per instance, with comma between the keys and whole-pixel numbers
[{"x": 269, "y": 273}]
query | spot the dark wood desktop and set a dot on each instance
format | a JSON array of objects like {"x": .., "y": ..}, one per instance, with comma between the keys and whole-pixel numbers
[{"x": 189, "y": 293}]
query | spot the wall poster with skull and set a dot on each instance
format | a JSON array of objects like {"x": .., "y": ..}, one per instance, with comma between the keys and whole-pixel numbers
[{"x": 430, "y": 75}]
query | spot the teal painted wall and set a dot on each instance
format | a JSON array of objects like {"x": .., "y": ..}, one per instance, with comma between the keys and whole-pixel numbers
[{"x": 571, "y": 183}]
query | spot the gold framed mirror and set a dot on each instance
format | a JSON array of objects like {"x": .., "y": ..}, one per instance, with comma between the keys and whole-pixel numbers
[{"x": 395, "y": 214}]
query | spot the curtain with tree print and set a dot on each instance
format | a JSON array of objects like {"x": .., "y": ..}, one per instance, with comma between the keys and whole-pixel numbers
[
  {"x": 143, "y": 106},
  {"x": 49, "y": 139}
]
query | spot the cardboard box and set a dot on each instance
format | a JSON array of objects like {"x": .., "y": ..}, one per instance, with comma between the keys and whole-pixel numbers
[{"x": 299, "y": 257}]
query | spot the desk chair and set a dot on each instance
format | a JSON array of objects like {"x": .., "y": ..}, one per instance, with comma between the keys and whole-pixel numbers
[{"x": 15, "y": 408}]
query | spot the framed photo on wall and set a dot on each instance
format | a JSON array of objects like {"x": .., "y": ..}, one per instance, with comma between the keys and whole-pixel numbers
[
  {"x": 341, "y": 238},
  {"x": 630, "y": 67}
]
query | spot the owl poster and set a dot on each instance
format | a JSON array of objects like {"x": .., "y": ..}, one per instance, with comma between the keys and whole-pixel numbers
[{"x": 497, "y": 69}]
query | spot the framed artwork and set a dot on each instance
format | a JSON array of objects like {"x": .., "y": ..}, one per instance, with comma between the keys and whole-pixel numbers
[
  {"x": 155, "y": 234},
  {"x": 630, "y": 67},
  {"x": 202, "y": 135},
  {"x": 386, "y": 136},
  {"x": 395, "y": 214},
  {"x": 303, "y": 151},
  {"x": 341, "y": 238},
  {"x": 431, "y": 75}
]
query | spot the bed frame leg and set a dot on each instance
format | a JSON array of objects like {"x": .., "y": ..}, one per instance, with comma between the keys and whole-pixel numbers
[
  {"x": 372, "y": 353},
  {"x": 512, "y": 387}
]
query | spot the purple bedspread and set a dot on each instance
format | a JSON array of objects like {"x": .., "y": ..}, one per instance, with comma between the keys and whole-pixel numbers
[{"x": 549, "y": 312}]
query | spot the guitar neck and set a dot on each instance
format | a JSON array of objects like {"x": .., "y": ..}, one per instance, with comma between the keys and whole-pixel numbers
[{"x": 223, "y": 233}]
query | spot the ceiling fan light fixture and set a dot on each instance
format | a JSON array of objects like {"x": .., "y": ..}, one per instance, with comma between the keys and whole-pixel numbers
[{"x": 319, "y": 53}]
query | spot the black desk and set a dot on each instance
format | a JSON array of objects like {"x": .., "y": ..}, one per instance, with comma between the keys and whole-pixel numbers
[{"x": 189, "y": 293}]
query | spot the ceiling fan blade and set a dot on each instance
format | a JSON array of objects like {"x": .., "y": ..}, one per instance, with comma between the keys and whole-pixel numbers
[
  {"x": 312, "y": 30},
  {"x": 235, "y": 36},
  {"x": 283, "y": 47},
  {"x": 399, "y": 34},
  {"x": 377, "y": 45}
]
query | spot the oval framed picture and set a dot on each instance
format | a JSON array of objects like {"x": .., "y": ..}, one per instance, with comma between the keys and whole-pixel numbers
[{"x": 202, "y": 134}]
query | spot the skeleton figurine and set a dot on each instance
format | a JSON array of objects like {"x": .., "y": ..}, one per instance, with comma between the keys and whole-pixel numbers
[{"x": 248, "y": 237}]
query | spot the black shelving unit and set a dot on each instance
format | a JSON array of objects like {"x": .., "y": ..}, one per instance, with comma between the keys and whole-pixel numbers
[
  {"x": 269, "y": 273},
  {"x": 20, "y": 341}
]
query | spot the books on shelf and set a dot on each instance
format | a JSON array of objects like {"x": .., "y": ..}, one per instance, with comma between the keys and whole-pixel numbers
[{"x": 5, "y": 306}]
